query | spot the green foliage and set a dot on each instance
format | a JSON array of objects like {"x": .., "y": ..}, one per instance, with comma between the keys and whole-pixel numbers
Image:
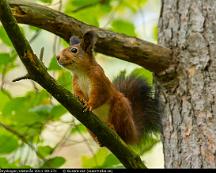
[
  {"x": 45, "y": 150},
  {"x": 8, "y": 143},
  {"x": 101, "y": 159},
  {"x": 123, "y": 26},
  {"x": 5, "y": 164},
  {"x": 65, "y": 79},
  {"x": 54, "y": 65},
  {"x": 147, "y": 75},
  {"x": 4, "y": 99},
  {"x": 55, "y": 162},
  {"x": 78, "y": 129},
  {"x": 5, "y": 58},
  {"x": 155, "y": 32},
  {"x": 4, "y": 37},
  {"x": 46, "y": 1}
]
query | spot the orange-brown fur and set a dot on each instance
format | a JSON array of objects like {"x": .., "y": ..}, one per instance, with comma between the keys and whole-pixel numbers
[{"x": 94, "y": 89}]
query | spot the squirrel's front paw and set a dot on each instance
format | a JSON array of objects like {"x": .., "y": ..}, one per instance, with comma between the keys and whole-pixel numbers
[
  {"x": 87, "y": 107},
  {"x": 82, "y": 100},
  {"x": 111, "y": 126}
]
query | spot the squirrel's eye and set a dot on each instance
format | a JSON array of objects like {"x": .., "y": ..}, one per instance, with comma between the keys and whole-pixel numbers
[{"x": 73, "y": 50}]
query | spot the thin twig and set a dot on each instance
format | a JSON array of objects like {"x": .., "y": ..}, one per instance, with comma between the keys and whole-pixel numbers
[
  {"x": 86, "y": 142},
  {"x": 21, "y": 78},
  {"x": 35, "y": 36},
  {"x": 41, "y": 54},
  {"x": 61, "y": 142}
]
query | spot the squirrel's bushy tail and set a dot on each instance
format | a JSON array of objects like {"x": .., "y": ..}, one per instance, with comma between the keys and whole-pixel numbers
[{"x": 145, "y": 106}]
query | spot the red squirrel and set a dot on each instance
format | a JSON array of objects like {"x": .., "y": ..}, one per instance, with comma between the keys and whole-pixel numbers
[{"x": 126, "y": 105}]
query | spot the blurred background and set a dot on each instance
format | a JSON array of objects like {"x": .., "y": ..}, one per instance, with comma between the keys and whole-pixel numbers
[{"x": 35, "y": 130}]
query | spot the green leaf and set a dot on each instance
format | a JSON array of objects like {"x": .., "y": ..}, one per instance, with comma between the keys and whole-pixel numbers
[
  {"x": 124, "y": 27},
  {"x": 155, "y": 32},
  {"x": 5, "y": 164},
  {"x": 111, "y": 161},
  {"x": 101, "y": 159},
  {"x": 80, "y": 128},
  {"x": 147, "y": 75},
  {"x": 8, "y": 144},
  {"x": 42, "y": 109},
  {"x": 84, "y": 14},
  {"x": 45, "y": 150},
  {"x": 3, "y": 99},
  {"x": 4, "y": 37},
  {"x": 79, "y": 3},
  {"x": 19, "y": 108},
  {"x": 46, "y": 1},
  {"x": 85, "y": 17},
  {"x": 57, "y": 111},
  {"x": 134, "y": 7},
  {"x": 65, "y": 79},
  {"x": 54, "y": 65},
  {"x": 4, "y": 58},
  {"x": 55, "y": 162}
]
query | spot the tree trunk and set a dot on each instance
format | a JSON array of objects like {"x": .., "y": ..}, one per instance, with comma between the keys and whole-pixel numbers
[{"x": 188, "y": 27}]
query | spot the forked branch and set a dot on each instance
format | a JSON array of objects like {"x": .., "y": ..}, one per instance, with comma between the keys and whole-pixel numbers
[
  {"x": 151, "y": 56},
  {"x": 37, "y": 72}
]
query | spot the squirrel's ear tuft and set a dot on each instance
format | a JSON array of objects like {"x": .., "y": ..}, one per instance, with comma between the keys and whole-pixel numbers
[
  {"x": 74, "y": 40},
  {"x": 88, "y": 41}
]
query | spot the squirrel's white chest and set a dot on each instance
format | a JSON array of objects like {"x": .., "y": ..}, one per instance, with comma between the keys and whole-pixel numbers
[{"x": 84, "y": 84}]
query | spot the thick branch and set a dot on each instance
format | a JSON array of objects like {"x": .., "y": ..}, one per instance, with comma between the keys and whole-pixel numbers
[
  {"x": 38, "y": 73},
  {"x": 151, "y": 56}
]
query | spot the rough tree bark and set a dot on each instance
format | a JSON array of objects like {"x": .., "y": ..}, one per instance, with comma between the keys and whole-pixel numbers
[
  {"x": 188, "y": 27},
  {"x": 187, "y": 89}
]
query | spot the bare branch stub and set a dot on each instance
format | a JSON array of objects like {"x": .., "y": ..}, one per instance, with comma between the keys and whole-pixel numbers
[{"x": 21, "y": 78}]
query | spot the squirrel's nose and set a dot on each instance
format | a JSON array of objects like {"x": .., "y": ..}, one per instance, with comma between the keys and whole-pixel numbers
[{"x": 57, "y": 57}]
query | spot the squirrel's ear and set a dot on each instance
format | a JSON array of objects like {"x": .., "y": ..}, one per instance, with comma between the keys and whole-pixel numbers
[
  {"x": 88, "y": 41},
  {"x": 74, "y": 40}
]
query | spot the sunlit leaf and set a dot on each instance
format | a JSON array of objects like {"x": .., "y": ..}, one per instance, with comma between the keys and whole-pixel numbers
[
  {"x": 45, "y": 150},
  {"x": 19, "y": 108},
  {"x": 82, "y": 2},
  {"x": 123, "y": 26},
  {"x": 65, "y": 79},
  {"x": 55, "y": 162},
  {"x": 42, "y": 109},
  {"x": 147, "y": 143},
  {"x": 147, "y": 75},
  {"x": 5, "y": 164},
  {"x": 111, "y": 161},
  {"x": 3, "y": 99},
  {"x": 80, "y": 128},
  {"x": 4, "y": 37},
  {"x": 57, "y": 111},
  {"x": 155, "y": 32},
  {"x": 54, "y": 65},
  {"x": 4, "y": 58},
  {"x": 8, "y": 144},
  {"x": 101, "y": 159},
  {"x": 46, "y": 1}
]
